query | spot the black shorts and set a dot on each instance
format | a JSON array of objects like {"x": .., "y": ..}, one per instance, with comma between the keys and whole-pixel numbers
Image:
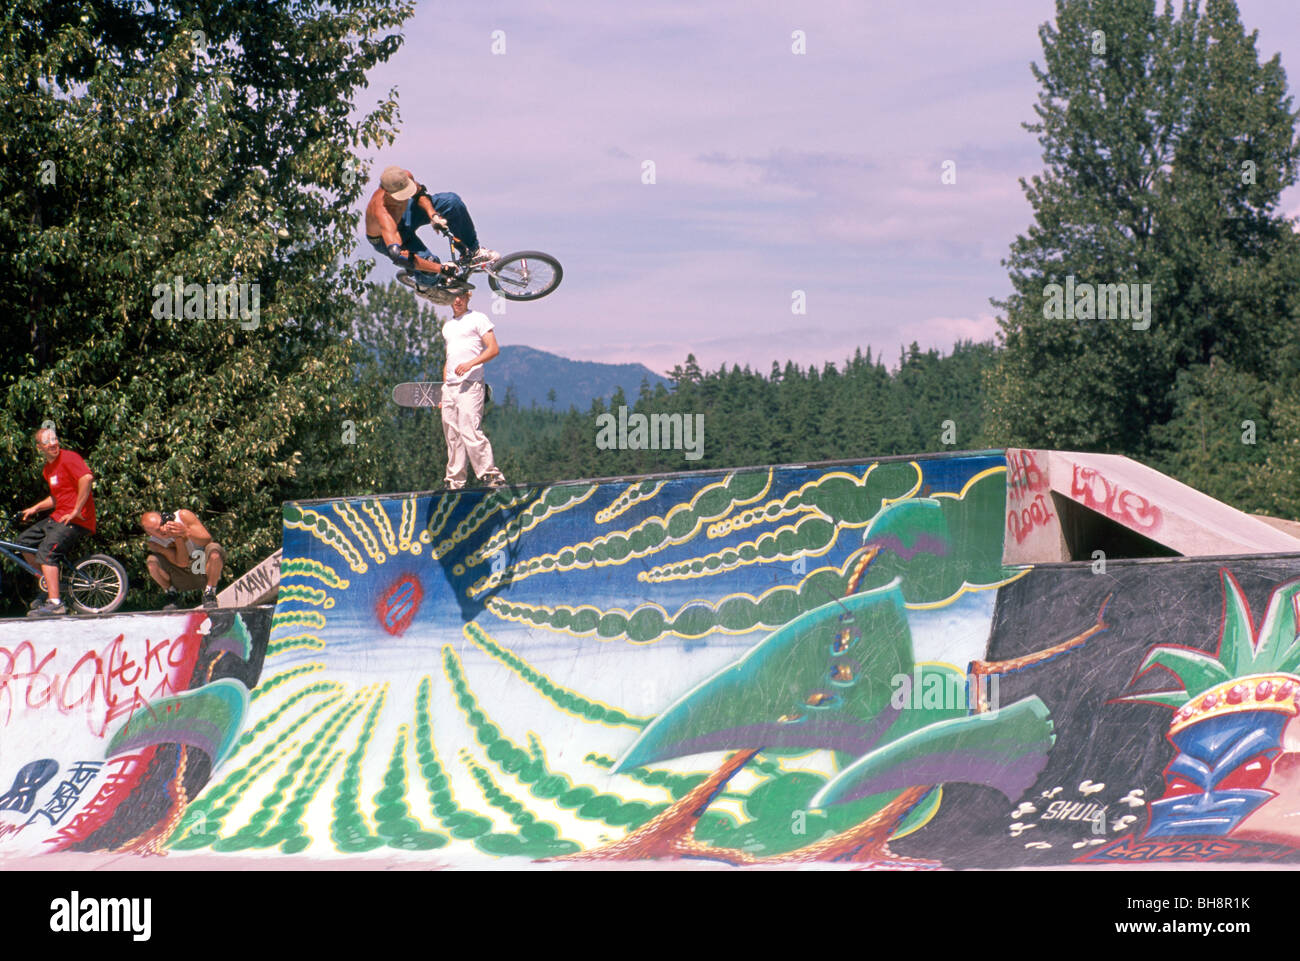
[{"x": 52, "y": 541}]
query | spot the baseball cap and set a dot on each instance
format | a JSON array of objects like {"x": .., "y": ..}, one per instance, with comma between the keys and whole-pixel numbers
[{"x": 397, "y": 183}]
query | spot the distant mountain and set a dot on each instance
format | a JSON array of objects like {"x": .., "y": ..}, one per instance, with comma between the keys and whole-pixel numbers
[{"x": 534, "y": 373}]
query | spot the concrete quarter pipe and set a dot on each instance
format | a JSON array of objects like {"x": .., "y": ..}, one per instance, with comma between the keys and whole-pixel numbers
[{"x": 767, "y": 666}]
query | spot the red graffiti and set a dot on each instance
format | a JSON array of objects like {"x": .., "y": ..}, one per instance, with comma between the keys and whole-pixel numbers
[
  {"x": 1023, "y": 475},
  {"x": 1126, "y": 849},
  {"x": 1093, "y": 490},
  {"x": 1021, "y": 523},
  {"x": 106, "y": 684},
  {"x": 396, "y": 609}
]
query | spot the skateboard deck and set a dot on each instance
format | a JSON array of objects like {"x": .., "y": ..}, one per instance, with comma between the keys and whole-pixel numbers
[{"x": 425, "y": 394}]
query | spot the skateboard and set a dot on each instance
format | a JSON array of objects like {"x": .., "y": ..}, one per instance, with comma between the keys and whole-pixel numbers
[{"x": 426, "y": 394}]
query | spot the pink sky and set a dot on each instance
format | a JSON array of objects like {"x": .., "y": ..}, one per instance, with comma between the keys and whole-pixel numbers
[{"x": 775, "y": 172}]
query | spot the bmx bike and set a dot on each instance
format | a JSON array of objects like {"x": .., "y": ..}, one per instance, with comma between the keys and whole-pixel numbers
[
  {"x": 95, "y": 584},
  {"x": 523, "y": 275}
]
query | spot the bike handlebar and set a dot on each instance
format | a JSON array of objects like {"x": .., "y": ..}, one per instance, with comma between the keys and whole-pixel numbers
[{"x": 14, "y": 518}]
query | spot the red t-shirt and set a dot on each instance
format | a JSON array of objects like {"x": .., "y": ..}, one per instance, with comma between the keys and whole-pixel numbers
[{"x": 62, "y": 476}]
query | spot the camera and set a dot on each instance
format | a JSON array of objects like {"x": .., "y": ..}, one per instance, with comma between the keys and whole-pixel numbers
[{"x": 168, "y": 516}]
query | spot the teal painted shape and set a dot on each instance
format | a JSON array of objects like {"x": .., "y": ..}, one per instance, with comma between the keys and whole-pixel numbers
[
  {"x": 208, "y": 718},
  {"x": 831, "y": 679},
  {"x": 1005, "y": 749},
  {"x": 828, "y": 673},
  {"x": 914, "y": 524},
  {"x": 236, "y": 640}
]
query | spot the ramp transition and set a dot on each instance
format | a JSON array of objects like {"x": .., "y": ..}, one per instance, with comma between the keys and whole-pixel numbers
[
  {"x": 110, "y": 725},
  {"x": 773, "y": 665}
]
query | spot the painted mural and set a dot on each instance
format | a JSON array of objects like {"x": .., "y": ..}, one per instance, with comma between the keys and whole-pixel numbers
[
  {"x": 110, "y": 726},
  {"x": 1172, "y": 741},
  {"x": 769, "y": 666},
  {"x": 763, "y": 665}
]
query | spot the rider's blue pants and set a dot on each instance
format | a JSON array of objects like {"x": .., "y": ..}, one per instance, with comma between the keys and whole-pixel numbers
[{"x": 452, "y": 209}]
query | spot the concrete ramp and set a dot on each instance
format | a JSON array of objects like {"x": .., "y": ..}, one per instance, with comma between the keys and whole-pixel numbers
[
  {"x": 773, "y": 666},
  {"x": 1063, "y": 506},
  {"x": 110, "y": 725}
]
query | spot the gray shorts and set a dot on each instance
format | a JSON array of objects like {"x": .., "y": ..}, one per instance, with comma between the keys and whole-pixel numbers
[{"x": 184, "y": 578}]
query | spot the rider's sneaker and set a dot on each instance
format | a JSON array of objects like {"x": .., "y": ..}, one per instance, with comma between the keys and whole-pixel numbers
[
  {"x": 480, "y": 257},
  {"x": 37, "y": 602},
  {"x": 209, "y": 597},
  {"x": 171, "y": 597},
  {"x": 49, "y": 609}
]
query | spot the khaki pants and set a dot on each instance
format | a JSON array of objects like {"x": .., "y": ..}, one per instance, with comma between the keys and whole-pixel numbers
[
  {"x": 462, "y": 413},
  {"x": 184, "y": 578}
]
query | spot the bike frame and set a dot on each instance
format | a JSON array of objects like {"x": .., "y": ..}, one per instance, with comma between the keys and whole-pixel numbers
[
  {"x": 443, "y": 279},
  {"x": 8, "y": 548},
  {"x": 14, "y": 551},
  {"x": 443, "y": 287}
]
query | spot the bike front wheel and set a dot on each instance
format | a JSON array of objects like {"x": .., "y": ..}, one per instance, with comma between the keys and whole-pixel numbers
[
  {"x": 97, "y": 585},
  {"x": 526, "y": 275}
]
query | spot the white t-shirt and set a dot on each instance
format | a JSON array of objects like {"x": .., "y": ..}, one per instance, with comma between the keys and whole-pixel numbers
[{"x": 464, "y": 336}]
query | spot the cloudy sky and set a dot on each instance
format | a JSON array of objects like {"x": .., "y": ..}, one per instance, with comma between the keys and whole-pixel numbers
[{"x": 773, "y": 172}]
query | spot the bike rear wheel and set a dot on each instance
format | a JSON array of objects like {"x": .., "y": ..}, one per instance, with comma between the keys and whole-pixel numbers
[
  {"x": 524, "y": 275},
  {"x": 97, "y": 585}
]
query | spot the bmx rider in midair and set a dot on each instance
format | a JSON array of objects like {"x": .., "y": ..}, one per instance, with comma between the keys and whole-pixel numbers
[{"x": 401, "y": 205}]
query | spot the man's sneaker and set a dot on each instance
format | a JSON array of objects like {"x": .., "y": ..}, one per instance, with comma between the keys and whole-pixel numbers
[
  {"x": 480, "y": 257},
  {"x": 209, "y": 597},
  {"x": 49, "y": 609},
  {"x": 37, "y": 602},
  {"x": 170, "y": 599}
]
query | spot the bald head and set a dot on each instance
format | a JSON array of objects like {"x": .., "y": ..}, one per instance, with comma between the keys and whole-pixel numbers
[{"x": 47, "y": 442}]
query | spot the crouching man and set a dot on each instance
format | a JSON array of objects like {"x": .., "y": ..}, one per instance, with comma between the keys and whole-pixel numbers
[{"x": 178, "y": 543}]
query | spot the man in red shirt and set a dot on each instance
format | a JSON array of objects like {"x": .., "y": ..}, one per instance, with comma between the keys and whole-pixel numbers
[{"x": 57, "y": 536}]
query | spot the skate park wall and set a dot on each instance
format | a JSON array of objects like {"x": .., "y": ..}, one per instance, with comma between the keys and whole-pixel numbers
[{"x": 781, "y": 664}]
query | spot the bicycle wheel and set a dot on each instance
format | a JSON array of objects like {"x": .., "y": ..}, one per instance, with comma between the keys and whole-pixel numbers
[
  {"x": 97, "y": 585},
  {"x": 526, "y": 275}
]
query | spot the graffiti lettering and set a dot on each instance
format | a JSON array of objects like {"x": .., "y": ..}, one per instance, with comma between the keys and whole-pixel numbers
[
  {"x": 68, "y": 792},
  {"x": 1126, "y": 849},
  {"x": 1094, "y": 491},
  {"x": 1073, "y": 811},
  {"x": 1021, "y": 523},
  {"x": 109, "y": 678},
  {"x": 1023, "y": 475},
  {"x": 254, "y": 584}
]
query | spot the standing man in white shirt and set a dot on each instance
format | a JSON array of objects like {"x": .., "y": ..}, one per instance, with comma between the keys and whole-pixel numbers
[{"x": 470, "y": 345}]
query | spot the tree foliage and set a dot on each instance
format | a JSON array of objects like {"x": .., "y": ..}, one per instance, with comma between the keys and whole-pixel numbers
[
  {"x": 210, "y": 142},
  {"x": 1167, "y": 145}
]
